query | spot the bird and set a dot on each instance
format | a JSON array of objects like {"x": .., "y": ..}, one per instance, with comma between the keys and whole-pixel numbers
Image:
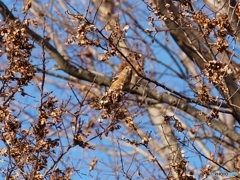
[
  {"x": 121, "y": 81},
  {"x": 110, "y": 101}
]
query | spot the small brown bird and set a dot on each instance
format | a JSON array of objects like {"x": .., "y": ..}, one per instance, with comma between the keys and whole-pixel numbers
[
  {"x": 119, "y": 83},
  {"x": 122, "y": 80},
  {"x": 110, "y": 101}
]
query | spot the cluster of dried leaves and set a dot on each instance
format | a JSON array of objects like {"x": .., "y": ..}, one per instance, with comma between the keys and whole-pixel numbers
[
  {"x": 216, "y": 71},
  {"x": 84, "y": 29},
  {"x": 220, "y": 24},
  {"x": 15, "y": 43},
  {"x": 25, "y": 148}
]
